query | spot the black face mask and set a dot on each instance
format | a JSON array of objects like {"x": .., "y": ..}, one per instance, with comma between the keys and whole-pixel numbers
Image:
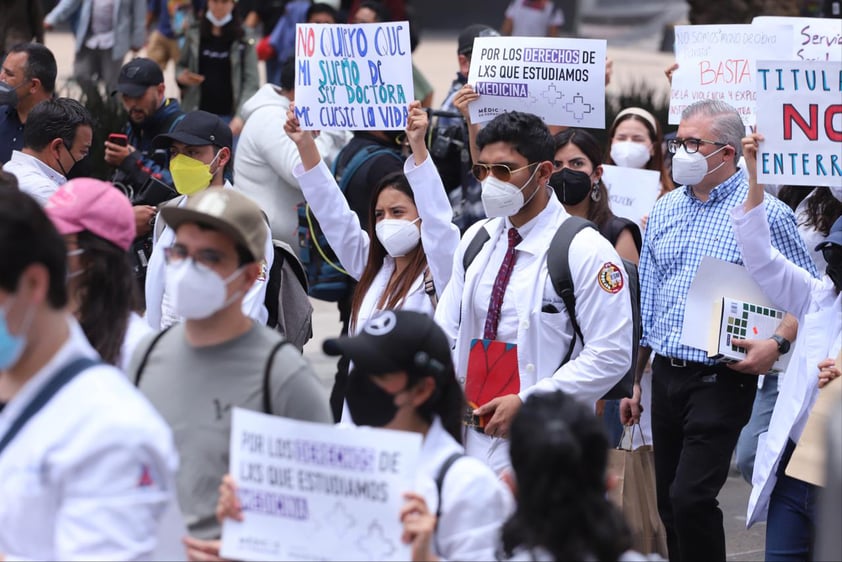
[
  {"x": 571, "y": 186},
  {"x": 367, "y": 402},
  {"x": 833, "y": 257}
]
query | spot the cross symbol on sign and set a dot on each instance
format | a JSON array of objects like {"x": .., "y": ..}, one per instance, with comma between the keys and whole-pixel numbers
[
  {"x": 551, "y": 94},
  {"x": 578, "y": 107}
]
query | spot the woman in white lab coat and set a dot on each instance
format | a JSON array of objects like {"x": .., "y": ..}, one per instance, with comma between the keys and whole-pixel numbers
[
  {"x": 785, "y": 501},
  {"x": 403, "y": 379}
]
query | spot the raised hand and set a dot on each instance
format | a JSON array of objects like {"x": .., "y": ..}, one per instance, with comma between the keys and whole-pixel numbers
[
  {"x": 416, "y": 131},
  {"x": 304, "y": 140},
  {"x": 755, "y": 195}
]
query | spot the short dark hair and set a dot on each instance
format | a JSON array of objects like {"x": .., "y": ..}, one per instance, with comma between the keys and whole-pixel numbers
[
  {"x": 288, "y": 74},
  {"x": 321, "y": 8},
  {"x": 53, "y": 119},
  {"x": 527, "y": 134},
  {"x": 8, "y": 181},
  {"x": 40, "y": 64},
  {"x": 28, "y": 236},
  {"x": 380, "y": 10}
]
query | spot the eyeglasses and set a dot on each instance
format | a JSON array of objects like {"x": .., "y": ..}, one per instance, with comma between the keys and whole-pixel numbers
[
  {"x": 209, "y": 259},
  {"x": 690, "y": 145},
  {"x": 500, "y": 171}
]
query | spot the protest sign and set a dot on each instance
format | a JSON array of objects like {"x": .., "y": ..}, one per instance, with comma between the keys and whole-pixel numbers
[
  {"x": 317, "y": 492},
  {"x": 813, "y": 38},
  {"x": 631, "y": 192},
  {"x": 353, "y": 77},
  {"x": 799, "y": 114},
  {"x": 562, "y": 81},
  {"x": 718, "y": 62}
]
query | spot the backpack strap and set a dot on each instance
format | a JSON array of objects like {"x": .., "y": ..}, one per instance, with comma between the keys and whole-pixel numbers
[
  {"x": 474, "y": 246},
  {"x": 430, "y": 287},
  {"x": 267, "y": 376},
  {"x": 558, "y": 265},
  {"x": 142, "y": 365},
  {"x": 344, "y": 174},
  {"x": 55, "y": 384},
  {"x": 440, "y": 479}
]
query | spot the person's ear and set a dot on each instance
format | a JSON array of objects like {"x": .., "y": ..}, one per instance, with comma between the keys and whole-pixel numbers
[
  {"x": 422, "y": 390},
  {"x": 55, "y": 147},
  {"x": 464, "y": 64},
  {"x": 224, "y": 157},
  {"x": 251, "y": 273},
  {"x": 597, "y": 173},
  {"x": 545, "y": 170},
  {"x": 34, "y": 284},
  {"x": 36, "y": 83},
  {"x": 161, "y": 89}
]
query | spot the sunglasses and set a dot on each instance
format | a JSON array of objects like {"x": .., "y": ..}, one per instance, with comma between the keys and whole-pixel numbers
[{"x": 500, "y": 171}]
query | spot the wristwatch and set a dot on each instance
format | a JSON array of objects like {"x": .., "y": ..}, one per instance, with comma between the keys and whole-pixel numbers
[{"x": 783, "y": 343}]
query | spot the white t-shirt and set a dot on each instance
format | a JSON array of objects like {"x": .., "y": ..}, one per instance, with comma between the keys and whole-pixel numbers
[{"x": 533, "y": 18}]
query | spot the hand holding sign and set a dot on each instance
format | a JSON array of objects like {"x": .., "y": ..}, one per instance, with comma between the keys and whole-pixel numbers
[
  {"x": 416, "y": 131},
  {"x": 419, "y": 525}
]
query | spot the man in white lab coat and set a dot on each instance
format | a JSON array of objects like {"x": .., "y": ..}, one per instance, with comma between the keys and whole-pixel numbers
[
  {"x": 514, "y": 165},
  {"x": 87, "y": 467}
]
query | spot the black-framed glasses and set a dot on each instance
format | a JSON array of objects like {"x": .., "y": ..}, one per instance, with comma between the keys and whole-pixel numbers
[
  {"x": 691, "y": 145},
  {"x": 204, "y": 258},
  {"x": 500, "y": 171}
]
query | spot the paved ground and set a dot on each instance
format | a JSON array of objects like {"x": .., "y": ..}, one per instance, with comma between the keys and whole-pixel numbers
[{"x": 635, "y": 60}]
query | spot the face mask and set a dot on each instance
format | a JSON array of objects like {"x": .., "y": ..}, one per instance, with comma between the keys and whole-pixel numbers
[
  {"x": 834, "y": 267},
  {"x": 219, "y": 22},
  {"x": 9, "y": 94},
  {"x": 690, "y": 169},
  {"x": 190, "y": 175},
  {"x": 11, "y": 346},
  {"x": 628, "y": 154},
  {"x": 571, "y": 186},
  {"x": 368, "y": 403},
  {"x": 398, "y": 236},
  {"x": 197, "y": 292},
  {"x": 503, "y": 199}
]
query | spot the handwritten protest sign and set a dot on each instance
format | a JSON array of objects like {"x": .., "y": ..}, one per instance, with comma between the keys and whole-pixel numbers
[
  {"x": 353, "y": 76},
  {"x": 718, "y": 62},
  {"x": 560, "y": 80},
  {"x": 799, "y": 114},
  {"x": 813, "y": 38},
  {"x": 317, "y": 492},
  {"x": 631, "y": 192}
]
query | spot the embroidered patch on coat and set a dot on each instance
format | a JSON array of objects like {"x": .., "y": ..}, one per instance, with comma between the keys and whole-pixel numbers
[{"x": 610, "y": 278}]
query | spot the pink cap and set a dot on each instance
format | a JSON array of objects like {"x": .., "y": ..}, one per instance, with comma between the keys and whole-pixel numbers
[{"x": 95, "y": 206}]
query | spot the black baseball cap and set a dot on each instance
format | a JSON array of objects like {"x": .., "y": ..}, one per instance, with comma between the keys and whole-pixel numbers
[
  {"x": 397, "y": 340},
  {"x": 137, "y": 75},
  {"x": 834, "y": 236},
  {"x": 467, "y": 36},
  {"x": 197, "y": 128}
]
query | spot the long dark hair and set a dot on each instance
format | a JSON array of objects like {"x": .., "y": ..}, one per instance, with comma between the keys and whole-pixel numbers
[
  {"x": 656, "y": 137},
  {"x": 377, "y": 253},
  {"x": 598, "y": 211},
  {"x": 559, "y": 454},
  {"x": 822, "y": 207},
  {"x": 106, "y": 295}
]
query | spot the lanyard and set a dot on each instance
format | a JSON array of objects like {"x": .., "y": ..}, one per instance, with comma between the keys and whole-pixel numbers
[{"x": 64, "y": 376}]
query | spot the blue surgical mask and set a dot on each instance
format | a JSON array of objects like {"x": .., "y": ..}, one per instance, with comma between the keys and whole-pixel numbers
[{"x": 11, "y": 346}]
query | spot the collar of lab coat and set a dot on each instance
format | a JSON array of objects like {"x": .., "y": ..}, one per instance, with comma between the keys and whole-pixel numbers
[{"x": 75, "y": 346}]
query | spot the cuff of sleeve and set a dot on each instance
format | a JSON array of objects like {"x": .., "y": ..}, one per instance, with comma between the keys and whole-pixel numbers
[
  {"x": 410, "y": 164},
  {"x": 129, "y": 164},
  {"x": 319, "y": 170}
]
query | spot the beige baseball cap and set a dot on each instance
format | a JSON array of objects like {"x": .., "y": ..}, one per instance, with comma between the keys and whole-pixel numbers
[{"x": 229, "y": 212}]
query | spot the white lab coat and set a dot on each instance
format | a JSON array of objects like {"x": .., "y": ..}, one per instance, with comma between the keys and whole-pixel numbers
[
  {"x": 253, "y": 303},
  {"x": 543, "y": 337},
  {"x": 90, "y": 476},
  {"x": 341, "y": 227},
  {"x": 817, "y": 306},
  {"x": 475, "y": 503}
]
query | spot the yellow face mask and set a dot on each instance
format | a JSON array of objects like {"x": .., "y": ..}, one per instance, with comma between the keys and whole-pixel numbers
[{"x": 190, "y": 175}]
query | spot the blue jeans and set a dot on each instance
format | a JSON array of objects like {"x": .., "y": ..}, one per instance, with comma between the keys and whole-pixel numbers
[
  {"x": 791, "y": 523},
  {"x": 761, "y": 413},
  {"x": 611, "y": 422}
]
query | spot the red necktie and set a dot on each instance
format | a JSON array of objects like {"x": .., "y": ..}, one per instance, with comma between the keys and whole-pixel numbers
[{"x": 492, "y": 319}]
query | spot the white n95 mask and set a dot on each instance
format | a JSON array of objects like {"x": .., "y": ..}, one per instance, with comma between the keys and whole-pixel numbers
[
  {"x": 398, "y": 236},
  {"x": 197, "y": 292},
  {"x": 630, "y": 154},
  {"x": 503, "y": 199},
  {"x": 690, "y": 169}
]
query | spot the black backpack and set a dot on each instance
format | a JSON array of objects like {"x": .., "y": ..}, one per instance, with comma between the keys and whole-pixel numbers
[
  {"x": 559, "y": 270},
  {"x": 327, "y": 279}
]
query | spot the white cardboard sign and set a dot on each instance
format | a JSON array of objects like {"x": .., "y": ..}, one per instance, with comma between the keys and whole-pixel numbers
[
  {"x": 718, "y": 62},
  {"x": 631, "y": 192},
  {"x": 317, "y": 492},
  {"x": 799, "y": 114},
  {"x": 813, "y": 38},
  {"x": 560, "y": 80},
  {"x": 352, "y": 77}
]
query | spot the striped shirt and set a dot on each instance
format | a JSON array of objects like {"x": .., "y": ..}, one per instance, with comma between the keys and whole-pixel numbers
[{"x": 681, "y": 230}]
